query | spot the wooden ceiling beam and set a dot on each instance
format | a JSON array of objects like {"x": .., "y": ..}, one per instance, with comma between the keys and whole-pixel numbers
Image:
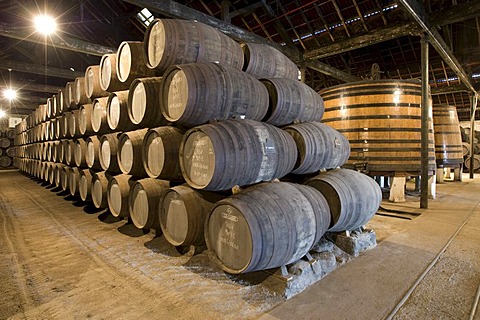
[
  {"x": 39, "y": 69},
  {"x": 34, "y": 87},
  {"x": 457, "y": 13}
]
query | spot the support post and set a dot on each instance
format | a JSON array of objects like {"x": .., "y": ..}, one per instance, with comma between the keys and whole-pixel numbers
[
  {"x": 473, "y": 108},
  {"x": 424, "y": 129}
]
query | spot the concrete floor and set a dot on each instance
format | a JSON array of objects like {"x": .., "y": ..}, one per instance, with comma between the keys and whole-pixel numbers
[{"x": 59, "y": 259}]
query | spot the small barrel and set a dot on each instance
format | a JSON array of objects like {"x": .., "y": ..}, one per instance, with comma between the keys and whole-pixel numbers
[
  {"x": 4, "y": 143},
  {"x": 476, "y": 162},
  {"x": 319, "y": 147},
  {"x": 465, "y": 149},
  {"x": 69, "y": 96},
  {"x": 92, "y": 156},
  {"x": 353, "y": 197},
  {"x": 448, "y": 139},
  {"x": 73, "y": 181},
  {"x": 5, "y": 161},
  {"x": 266, "y": 226},
  {"x": 143, "y": 202},
  {"x": 80, "y": 153},
  {"x": 182, "y": 213},
  {"x": 129, "y": 153},
  {"x": 85, "y": 120},
  {"x": 80, "y": 92},
  {"x": 144, "y": 102},
  {"x": 85, "y": 184},
  {"x": 99, "y": 189},
  {"x": 223, "y": 93},
  {"x": 170, "y": 41},
  {"x": 131, "y": 62},
  {"x": 99, "y": 116},
  {"x": 292, "y": 100},
  {"x": 117, "y": 112},
  {"x": 264, "y": 61},
  {"x": 108, "y": 153},
  {"x": 108, "y": 74},
  {"x": 92, "y": 83},
  {"x": 221, "y": 155},
  {"x": 118, "y": 190},
  {"x": 160, "y": 152}
]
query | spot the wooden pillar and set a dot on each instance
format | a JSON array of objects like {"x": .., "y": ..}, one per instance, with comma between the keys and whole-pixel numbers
[
  {"x": 473, "y": 108},
  {"x": 424, "y": 121}
]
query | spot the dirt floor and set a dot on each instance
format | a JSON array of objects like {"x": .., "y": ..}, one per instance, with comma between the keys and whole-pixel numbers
[{"x": 61, "y": 259}]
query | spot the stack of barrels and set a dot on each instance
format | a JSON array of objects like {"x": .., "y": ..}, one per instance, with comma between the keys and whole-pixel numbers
[
  {"x": 162, "y": 131},
  {"x": 466, "y": 132},
  {"x": 7, "y": 150}
]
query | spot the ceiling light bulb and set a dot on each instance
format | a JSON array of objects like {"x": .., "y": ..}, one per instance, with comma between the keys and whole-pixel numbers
[
  {"x": 45, "y": 25},
  {"x": 10, "y": 94},
  {"x": 2, "y": 114}
]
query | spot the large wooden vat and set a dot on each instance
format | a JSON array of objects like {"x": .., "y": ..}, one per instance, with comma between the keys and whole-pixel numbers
[
  {"x": 382, "y": 121},
  {"x": 448, "y": 139}
]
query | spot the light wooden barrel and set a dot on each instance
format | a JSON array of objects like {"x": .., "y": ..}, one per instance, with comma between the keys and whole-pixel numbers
[
  {"x": 235, "y": 152},
  {"x": 118, "y": 190},
  {"x": 80, "y": 153},
  {"x": 108, "y": 74},
  {"x": 131, "y": 62},
  {"x": 266, "y": 226},
  {"x": 92, "y": 156},
  {"x": 222, "y": 93},
  {"x": 144, "y": 103},
  {"x": 465, "y": 149},
  {"x": 117, "y": 112},
  {"x": 50, "y": 111},
  {"x": 292, "y": 100},
  {"x": 129, "y": 153},
  {"x": 92, "y": 83},
  {"x": 143, "y": 202},
  {"x": 170, "y": 41},
  {"x": 99, "y": 116},
  {"x": 85, "y": 184},
  {"x": 61, "y": 104},
  {"x": 99, "y": 189},
  {"x": 353, "y": 197},
  {"x": 85, "y": 120},
  {"x": 65, "y": 177},
  {"x": 160, "y": 152},
  {"x": 264, "y": 61},
  {"x": 73, "y": 181},
  {"x": 56, "y": 150},
  {"x": 319, "y": 147},
  {"x": 66, "y": 120},
  {"x": 476, "y": 162},
  {"x": 70, "y": 95},
  {"x": 382, "y": 121},
  {"x": 70, "y": 153},
  {"x": 80, "y": 95},
  {"x": 108, "y": 153},
  {"x": 182, "y": 213},
  {"x": 73, "y": 129},
  {"x": 58, "y": 168},
  {"x": 448, "y": 139}
]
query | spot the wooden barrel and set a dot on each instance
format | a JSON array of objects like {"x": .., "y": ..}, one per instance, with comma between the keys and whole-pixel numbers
[
  {"x": 56, "y": 150},
  {"x": 476, "y": 162},
  {"x": 5, "y": 161},
  {"x": 57, "y": 171},
  {"x": 221, "y": 155},
  {"x": 170, "y": 41},
  {"x": 99, "y": 189},
  {"x": 382, "y": 121},
  {"x": 160, "y": 152},
  {"x": 108, "y": 153},
  {"x": 73, "y": 181},
  {"x": 266, "y": 226},
  {"x": 108, "y": 74},
  {"x": 85, "y": 184},
  {"x": 69, "y": 152},
  {"x": 292, "y": 100},
  {"x": 319, "y": 147},
  {"x": 143, "y": 202},
  {"x": 117, "y": 112},
  {"x": 70, "y": 96},
  {"x": 144, "y": 103},
  {"x": 85, "y": 120},
  {"x": 61, "y": 103},
  {"x": 129, "y": 153},
  {"x": 50, "y": 111},
  {"x": 182, "y": 213},
  {"x": 131, "y": 62},
  {"x": 92, "y": 83},
  {"x": 353, "y": 197},
  {"x": 4, "y": 143},
  {"x": 80, "y": 153},
  {"x": 58, "y": 127},
  {"x": 66, "y": 119},
  {"x": 72, "y": 123},
  {"x": 92, "y": 156},
  {"x": 99, "y": 116},
  {"x": 118, "y": 190},
  {"x": 11, "y": 152},
  {"x": 264, "y": 61},
  {"x": 80, "y": 93},
  {"x": 222, "y": 93},
  {"x": 64, "y": 177},
  {"x": 448, "y": 139},
  {"x": 466, "y": 149}
]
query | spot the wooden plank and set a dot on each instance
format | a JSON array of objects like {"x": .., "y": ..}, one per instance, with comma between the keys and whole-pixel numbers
[{"x": 39, "y": 69}]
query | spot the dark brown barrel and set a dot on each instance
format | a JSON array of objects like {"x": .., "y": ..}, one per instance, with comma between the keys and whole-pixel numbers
[
  {"x": 465, "y": 149},
  {"x": 292, "y": 100},
  {"x": 118, "y": 190},
  {"x": 70, "y": 95},
  {"x": 117, "y": 112},
  {"x": 476, "y": 162},
  {"x": 264, "y": 61},
  {"x": 4, "y": 143},
  {"x": 108, "y": 153},
  {"x": 129, "y": 153},
  {"x": 92, "y": 156},
  {"x": 182, "y": 213},
  {"x": 144, "y": 103},
  {"x": 108, "y": 74},
  {"x": 353, "y": 197},
  {"x": 170, "y": 41},
  {"x": 266, "y": 226},
  {"x": 143, "y": 202},
  {"x": 5, "y": 161},
  {"x": 99, "y": 189},
  {"x": 448, "y": 139},
  {"x": 131, "y": 62},
  {"x": 382, "y": 121},
  {"x": 160, "y": 151},
  {"x": 85, "y": 184},
  {"x": 92, "y": 83},
  {"x": 80, "y": 97},
  {"x": 73, "y": 181},
  {"x": 99, "y": 116},
  {"x": 85, "y": 120},
  {"x": 80, "y": 153},
  {"x": 11, "y": 152},
  {"x": 319, "y": 147},
  {"x": 221, "y": 155},
  {"x": 193, "y": 94}
]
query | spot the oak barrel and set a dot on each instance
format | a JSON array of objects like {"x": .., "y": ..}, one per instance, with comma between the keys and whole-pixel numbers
[
  {"x": 69, "y": 96},
  {"x": 382, "y": 121},
  {"x": 476, "y": 162},
  {"x": 65, "y": 177},
  {"x": 448, "y": 139},
  {"x": 117, "y": 112},
  {"x": 466, "y": 149},
  {"x": 69, "y": 153},
  {"x": 193, "y": 94},
  {"x": 129, "y": 152},
  {"x": 5, "y": 161},
  {"x": 85, "y": 184},
  {"x": 74, "y": 124},
  {"x": 99, "y": 189},
  {"x": 85, "y": 120},
  {"x": 80, "y": 153},
  {"x": 99, "y": 116},
  {"x": 144, "y": 102},
  {"x": 108, "y": 74},
  {"x": 73, "y": 181},
  {"x": 131, "y": 62},
  {"x": 92, "y": 155},
  {"x": 108, "y": 153},
  {"x": 4, "y": 143},
  {"x": 80, "y": 97},
  {"x": 92, "y": 83},
  {"x": 353, "y": 197},
  {"x": 118, "y": 190}
]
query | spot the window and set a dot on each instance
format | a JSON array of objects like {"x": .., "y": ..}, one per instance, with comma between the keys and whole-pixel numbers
[{"x": 145, "y": 16}]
